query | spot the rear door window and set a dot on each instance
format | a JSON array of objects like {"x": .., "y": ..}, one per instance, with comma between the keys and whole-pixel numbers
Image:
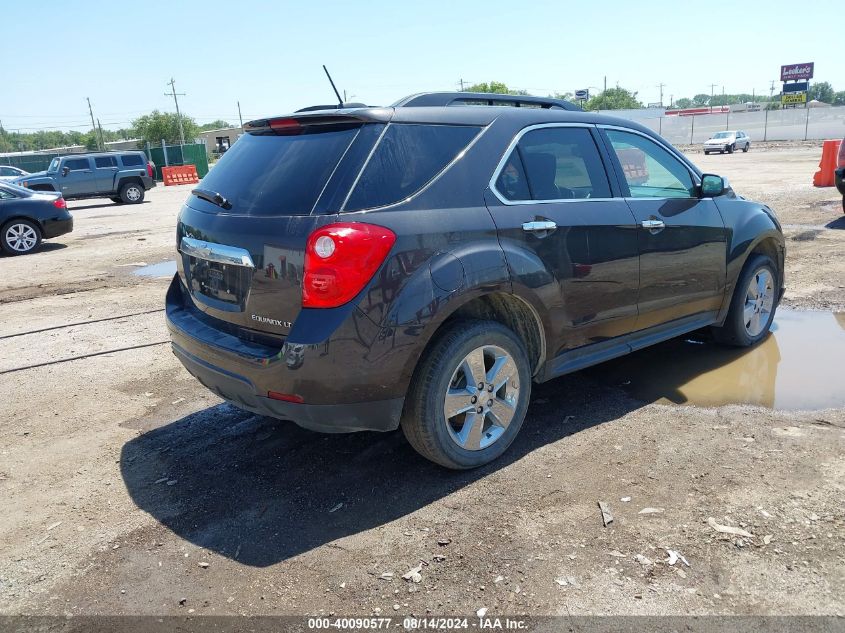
[
  {"x": 104, "y": 162},
  {"x": 270, "y": 175},
  {"x": 132, "y": 160},
  {"x": 407, "y": 158}
]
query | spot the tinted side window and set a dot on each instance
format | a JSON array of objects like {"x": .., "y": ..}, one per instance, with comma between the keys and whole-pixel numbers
[
  {"x": 406, "y": 159},
  {"x": 563, "y": 163},
  {"x": 650, "y": 170},
  {"x": 131, "y": 160},
  {"x": 5, "y": 194},
  {"x": 105, "y": 161},
  {"x": 77, "y": 164}
]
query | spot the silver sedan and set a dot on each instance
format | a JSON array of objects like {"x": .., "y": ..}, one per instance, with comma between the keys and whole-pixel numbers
[{"x": 727, "y": 141}]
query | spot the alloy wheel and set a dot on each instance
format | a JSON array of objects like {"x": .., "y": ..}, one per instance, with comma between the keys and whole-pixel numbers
[
  {"x": 759, "y": 301},
  {"x": 482, "y": 397},
  {"x": 21, "y": 237}
]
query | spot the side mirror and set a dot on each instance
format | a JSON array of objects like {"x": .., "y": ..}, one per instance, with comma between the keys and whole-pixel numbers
[
  {"x": 65, "y": 170},
  {"x": 712, "y": 186}
]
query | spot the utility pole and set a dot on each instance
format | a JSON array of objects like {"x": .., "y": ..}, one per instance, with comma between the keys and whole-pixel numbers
[
  {"x": 712, "y": 87},
  {"x": 102, "y": 139},
  {"x": 93, "y": 126},
  {"x": 462, "y": 84},
  {"x": 605, "y": 83},
  {"x": 240, "y": 117},
  {"x": 671, "y": 101},
  {"x": 174, "y": 94},
  {"x": 661, "y": 85}
]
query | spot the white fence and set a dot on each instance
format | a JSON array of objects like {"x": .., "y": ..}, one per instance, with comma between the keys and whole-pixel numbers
[{"x": 771, "y": 125}]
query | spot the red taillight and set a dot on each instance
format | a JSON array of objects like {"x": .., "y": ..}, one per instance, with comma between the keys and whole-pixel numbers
[
  {"x": 60, "y": 203},
  {"x": 285, "y": 397},
  {"x": 150, "y": 170},
  {"x": 285, "y": 126},
  {"x": 339, "y": 261}
]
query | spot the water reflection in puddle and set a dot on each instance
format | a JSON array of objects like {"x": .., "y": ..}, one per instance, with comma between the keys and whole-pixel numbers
[
  {"x": 800, "y": 365},
  {"x": 162, "y": 269}
]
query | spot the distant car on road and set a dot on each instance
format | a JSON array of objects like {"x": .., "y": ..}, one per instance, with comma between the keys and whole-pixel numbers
[
  {"x": 27, "y": 217},
  {"x": 840, "y": 172},
  {"x": 9, "y": 173},
  {"x": 123, "y": 177},
  {"x": 728, "y": 141}
]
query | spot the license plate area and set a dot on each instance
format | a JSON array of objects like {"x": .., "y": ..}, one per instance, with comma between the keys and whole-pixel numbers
[{"x": 219, "y": 276}]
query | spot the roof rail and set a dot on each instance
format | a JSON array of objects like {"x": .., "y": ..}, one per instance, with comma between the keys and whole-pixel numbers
[{"x": 434, "y": 99}]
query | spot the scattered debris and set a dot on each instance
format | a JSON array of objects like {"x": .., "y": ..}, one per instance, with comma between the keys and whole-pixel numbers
[
  {"x": 182, "y": 601},
  {"x": 413, "y": 574},
  {"x": 481, "y": 612},
  {"x": 625, "y": 499},
  {"x": 606, "y": 516},
  {"x": 343, "y": 585},
  {"x": 438, "y": 558},
  {"x": 396, "y": 607},
  {"x": 336, "y": 508},
  {"x": 618, "y": 554},
  {"x": 681, "y": 572},
  {"x": 172, "y": 482},
  {"x": 388, "y": 575},
  {"x": 161, "y": 481},
  {"x": 54, "y": 525},
  {"x": 444, "y": 541},
  {"x": 561, "y": 581},
  {"x": 727, "y": 529},
  {"x": 643, "y": 560},
  {"x": 202, "y": 564},
  {"x": 767, "y": 539},
  {"x": 674, "y": 557},
  {"x": 498, "y": 579},
  {"x": 178, "y": 401},
  {"x": 651, "y": 511},
  {"x": 148, "y": 394}
]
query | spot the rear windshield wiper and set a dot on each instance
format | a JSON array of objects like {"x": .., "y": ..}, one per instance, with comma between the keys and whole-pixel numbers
[{"x": 213, "y": 197}]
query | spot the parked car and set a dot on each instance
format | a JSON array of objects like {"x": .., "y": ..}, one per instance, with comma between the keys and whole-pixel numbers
[
  {"x": 9, "y": 173},
  {"x": 27, "y": 217},
  {"x": 122, "y": 177},
  {"x": 420, "y": 266},
  {"x": 840, "y": 172},
  {"x": 728, "y": 141}
]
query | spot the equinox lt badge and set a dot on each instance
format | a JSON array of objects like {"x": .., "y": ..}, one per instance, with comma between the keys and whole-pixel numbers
[{"x": 262, "y": 319}]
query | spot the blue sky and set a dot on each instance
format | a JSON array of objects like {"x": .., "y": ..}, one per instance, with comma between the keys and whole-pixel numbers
[{"x": 268, "y": 55}]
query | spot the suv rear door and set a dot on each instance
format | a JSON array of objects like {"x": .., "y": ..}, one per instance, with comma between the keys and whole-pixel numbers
[
  {"x": 682, "y": 237},
  {"x": 105, "y": 168},
  {"x": 552, "y": 201},
  {"x": 242, "y": 239}
]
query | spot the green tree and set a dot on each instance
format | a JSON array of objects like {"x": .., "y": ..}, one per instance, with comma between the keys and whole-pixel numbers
[
  {"x": 152, "y": 128},
  {"x": 838, "y": 98},
  {"x": 700, "y": 99},
  {"x": 219, "y": 124},
  {"x": 614, "y": 99},
  {"x": 683, "y": 102},
  {"x": 495, "y": 87},
  {"x": 821, "y": 91}
]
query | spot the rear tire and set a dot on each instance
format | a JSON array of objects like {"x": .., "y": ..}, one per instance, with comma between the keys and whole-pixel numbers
[
  {"x": 746, "y": 148},
  {"x": 132, "y": 193},
  {"x": 20, "y": 237},
  {"x": 706, "y": 152},
  {"x": 447, "y": 418},
  {"x": 753, "y": 304},
  {"x": 116, "y": 200}
]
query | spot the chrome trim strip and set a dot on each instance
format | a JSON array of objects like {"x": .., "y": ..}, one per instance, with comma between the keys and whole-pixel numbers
[
  {"x": 363, "y": 167},
  {"x": 219, "y": 253},
  {"x": 510, "y": 149}
]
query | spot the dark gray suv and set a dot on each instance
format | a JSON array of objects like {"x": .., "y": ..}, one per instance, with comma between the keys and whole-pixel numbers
[
  {"x": 421, "y": 265},
  {"x": 121, "y": 176}
]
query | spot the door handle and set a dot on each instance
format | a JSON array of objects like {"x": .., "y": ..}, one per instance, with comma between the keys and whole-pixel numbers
[
  {"x": 538, "y": 226},
  {"x": 652, "y": 225}
]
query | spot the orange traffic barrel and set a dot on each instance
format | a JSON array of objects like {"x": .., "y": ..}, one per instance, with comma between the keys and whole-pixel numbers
[{"x": 827, "y": 165}]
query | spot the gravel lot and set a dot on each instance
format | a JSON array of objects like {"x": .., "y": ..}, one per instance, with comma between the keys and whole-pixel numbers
[{"x": 128, "y": 488}]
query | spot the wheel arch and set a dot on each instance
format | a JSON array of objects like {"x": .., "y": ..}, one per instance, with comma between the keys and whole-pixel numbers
[
  {"x": 769, "y": 243},
  {"x": 5, "y": 222}
]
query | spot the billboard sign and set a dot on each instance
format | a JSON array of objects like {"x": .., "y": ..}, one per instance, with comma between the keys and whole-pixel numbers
[
  {"x": 793, "y": 98},
  {"x": 582, "y": 94},
  {"x": 798, "y": 86},
  {"x": 792, "y": 72}
]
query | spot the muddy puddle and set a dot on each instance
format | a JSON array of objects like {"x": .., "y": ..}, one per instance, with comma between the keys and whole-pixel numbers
[
  {"x": 800, "y": 366},
  {"x": 162, "y": 269}
]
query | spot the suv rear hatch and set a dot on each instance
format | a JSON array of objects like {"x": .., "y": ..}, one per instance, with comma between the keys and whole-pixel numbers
[{"x": 242, "y": 233}]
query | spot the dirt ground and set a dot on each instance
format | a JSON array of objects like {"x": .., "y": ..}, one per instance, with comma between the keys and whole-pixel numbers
[{"x": 129, "y": 489}]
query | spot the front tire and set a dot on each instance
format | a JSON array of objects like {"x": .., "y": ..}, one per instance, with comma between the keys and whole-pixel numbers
[
  {"x": 132, "y": 193},
  {"x": 753, "y": 304},
  {"x": 20, "y": 237},
  {"x": 732, "y": 149},
  {"x": 469, "y": 395}
]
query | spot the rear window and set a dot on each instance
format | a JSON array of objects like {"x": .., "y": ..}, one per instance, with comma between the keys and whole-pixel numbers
[
  {"x": 406, "y": 159},
  {"x": 132, "y": 160},
  {"x": 264, "y": 175}
]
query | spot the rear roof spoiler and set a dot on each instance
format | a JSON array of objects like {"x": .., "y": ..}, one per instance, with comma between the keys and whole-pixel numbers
[{"x": 440, "y": 99}]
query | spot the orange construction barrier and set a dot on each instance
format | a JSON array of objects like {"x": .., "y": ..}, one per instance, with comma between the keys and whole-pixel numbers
[
  {"x": 824, "y": 176},
  {"x": 183, "y": 175}
]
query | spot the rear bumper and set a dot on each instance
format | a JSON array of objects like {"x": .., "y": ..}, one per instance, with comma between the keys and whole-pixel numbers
[
  {"x": 54, "y": 228},
  {"x": 148, "y": 182},
  {"x": 243, "y": 372},
  {"x": 839, "y": 175}
]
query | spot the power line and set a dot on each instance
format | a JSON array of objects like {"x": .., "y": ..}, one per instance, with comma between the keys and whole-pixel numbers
[{"x": 174, "y": 94}]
